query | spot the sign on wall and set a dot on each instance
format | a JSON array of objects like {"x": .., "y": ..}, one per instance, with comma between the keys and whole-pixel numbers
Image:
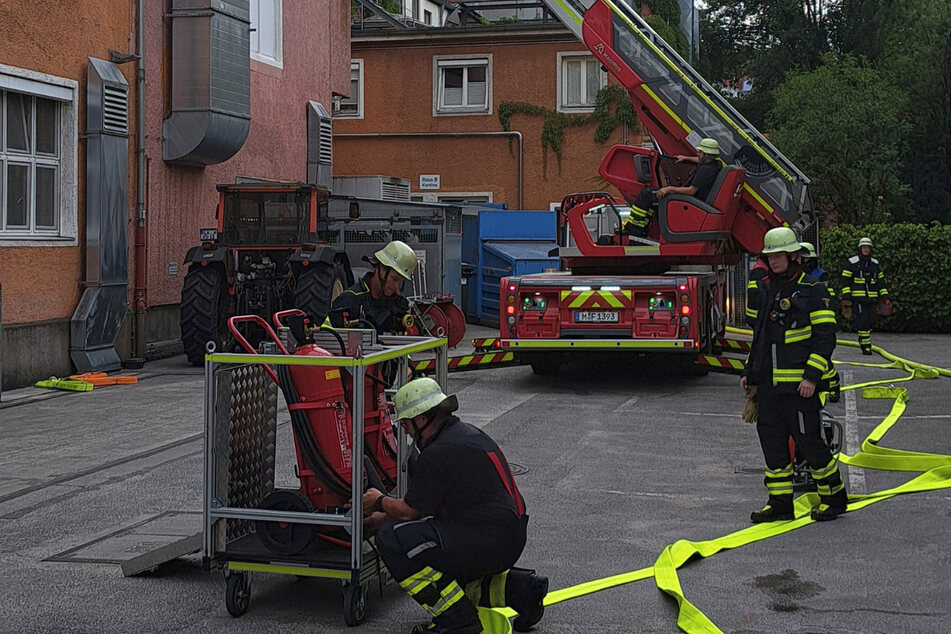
[{"x": 429, "y": 181}]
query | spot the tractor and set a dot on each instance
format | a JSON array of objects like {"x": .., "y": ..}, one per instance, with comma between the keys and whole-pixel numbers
[{"x": 267, "y": 254}]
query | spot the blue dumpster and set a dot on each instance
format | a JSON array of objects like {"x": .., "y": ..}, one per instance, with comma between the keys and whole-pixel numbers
[{"x": 501, "y": 243}]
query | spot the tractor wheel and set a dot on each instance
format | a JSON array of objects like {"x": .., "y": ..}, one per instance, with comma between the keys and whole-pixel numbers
[
  {"x": 204, "y": 311},
  {"x": 340, "y": 283},
  {"x": 315, "y": 286}
]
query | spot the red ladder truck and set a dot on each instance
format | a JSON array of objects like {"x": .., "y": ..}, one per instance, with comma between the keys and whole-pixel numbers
[{"x": 665, "y": 292}]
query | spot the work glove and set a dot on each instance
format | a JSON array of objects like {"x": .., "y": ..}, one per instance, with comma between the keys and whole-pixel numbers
[
  {"x": 847, "y": 308},
  {"x": 751, "y": 411}
]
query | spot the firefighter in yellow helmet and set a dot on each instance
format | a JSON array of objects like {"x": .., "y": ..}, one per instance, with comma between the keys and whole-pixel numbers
[
  {"x": 698, "y": 185},
  {"x": 793, "y": 340},
  {"x": 375, "y": 300},
  {"x": 452, "y": 542},
  {"x": 863, "y": 287},
  {"x": 812, "y": 268}
]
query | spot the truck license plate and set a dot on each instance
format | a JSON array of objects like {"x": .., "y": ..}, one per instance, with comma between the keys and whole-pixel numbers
[
  {"x": 207, "y": 235},
  {"x": 596, "y": 316}
]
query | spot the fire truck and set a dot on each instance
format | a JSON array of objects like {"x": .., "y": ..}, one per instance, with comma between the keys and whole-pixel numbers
[{"x": 666, "y": 292}]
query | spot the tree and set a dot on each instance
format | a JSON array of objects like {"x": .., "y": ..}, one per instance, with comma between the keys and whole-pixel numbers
[{"x": 842, "y": 125}]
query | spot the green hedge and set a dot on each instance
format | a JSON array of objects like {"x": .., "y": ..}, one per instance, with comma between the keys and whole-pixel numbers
[{"x": 916, "y": 261}]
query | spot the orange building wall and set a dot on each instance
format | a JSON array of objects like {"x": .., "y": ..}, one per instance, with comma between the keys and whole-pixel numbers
[
  {"x": 398, "y": 97},
  {"x": 46, "y": 36}
]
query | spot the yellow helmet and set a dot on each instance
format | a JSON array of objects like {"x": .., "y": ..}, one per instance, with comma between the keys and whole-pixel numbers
[
  {"x": 709, "y": 146},
  {"x": 809, "y": 251},
  {"x": 419, "y": 396},
  {"x": 398, "y": 256},
  {"x": 781, "y": 240},
  {"x": 865, "y": 242}
]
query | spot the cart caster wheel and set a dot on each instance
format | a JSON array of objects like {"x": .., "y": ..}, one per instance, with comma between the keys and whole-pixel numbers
[
  {"x": 238, "y": 594},
  {"x": 354, "y": 604}
]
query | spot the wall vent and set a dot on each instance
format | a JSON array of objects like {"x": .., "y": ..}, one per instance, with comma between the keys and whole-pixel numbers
[{"x": 115, "y": 109}]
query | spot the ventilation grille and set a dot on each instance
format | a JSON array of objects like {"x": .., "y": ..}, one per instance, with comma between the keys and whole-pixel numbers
[
  {"x": 325, "y": 150},
  {"x": 396, "y": 191},
  {"x": 115, "y": 109}
]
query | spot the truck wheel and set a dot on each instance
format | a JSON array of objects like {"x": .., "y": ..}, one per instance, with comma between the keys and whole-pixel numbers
[
  {"x": 315, "y": 285},
  {"x": 204, "y": 311},
  {"x": 340, "y": 283}
]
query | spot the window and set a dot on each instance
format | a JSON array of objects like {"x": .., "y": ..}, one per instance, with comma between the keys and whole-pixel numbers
[
  {"x": 579, "y": 79},
  {"x": 267, "y": 41},
  {"x": 463, "y": 85},
  {"x": 37, "y": 158},
  {"x": 454, "y": 197},
  {"x": 352, "y": 107},
  {"x": 428, "y": 17}
]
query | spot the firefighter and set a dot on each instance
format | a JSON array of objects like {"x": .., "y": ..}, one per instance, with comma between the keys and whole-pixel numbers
[
  {"x": 698, "y": 186},
  {"x": 793, "y": 340},
  {"x": 863, "y": 286},
  {"x": 812, "y": 268},
  {"x": 452, "y": 541},
  {"x": 375, "y": 298}
]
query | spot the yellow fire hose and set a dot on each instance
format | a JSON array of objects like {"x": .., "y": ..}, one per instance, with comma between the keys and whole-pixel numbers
[{"x": 934, "y": 470}]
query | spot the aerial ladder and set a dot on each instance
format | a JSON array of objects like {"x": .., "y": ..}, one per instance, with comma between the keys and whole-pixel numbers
[{"x": 666, "y": 291}]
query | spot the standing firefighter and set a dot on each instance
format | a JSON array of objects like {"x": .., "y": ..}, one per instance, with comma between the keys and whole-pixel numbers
[
  {"x": 793, "y": 340},
  {"x": 375, "y": 299},
  {"x": 452, "y": 541},
  {"x": 863, "y": 286}
]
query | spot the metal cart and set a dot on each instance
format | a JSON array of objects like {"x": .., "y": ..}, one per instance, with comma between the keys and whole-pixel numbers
[{"x": 240, "y": 458}]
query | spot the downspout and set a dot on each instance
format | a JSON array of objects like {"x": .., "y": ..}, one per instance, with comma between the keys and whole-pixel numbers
[
  {"x": 421, "y": 135},
  {"x": 141, "y": 263}
]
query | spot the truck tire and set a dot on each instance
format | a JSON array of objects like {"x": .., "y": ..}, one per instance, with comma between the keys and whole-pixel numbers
[
  {"x": 204, "y": 311},
  {"x": 315, "y": 286}
]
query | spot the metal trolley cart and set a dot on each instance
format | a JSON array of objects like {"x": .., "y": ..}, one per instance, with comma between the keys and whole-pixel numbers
[{"x": 240, "y": 458}]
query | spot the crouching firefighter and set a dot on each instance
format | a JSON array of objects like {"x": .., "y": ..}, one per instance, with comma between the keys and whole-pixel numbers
[
  {"x": 793, "y": 339},
  {"x": 452, "y": 541}
]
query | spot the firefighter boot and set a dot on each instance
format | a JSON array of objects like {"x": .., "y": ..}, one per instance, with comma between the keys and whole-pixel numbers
[
  {"x": 831, "y": 507},
  {"x": 460, "y": 618},
  {"x": 834, "y": 387},
  {"x": 777, "y": 509},
  {"x": 525, "y": 592}
]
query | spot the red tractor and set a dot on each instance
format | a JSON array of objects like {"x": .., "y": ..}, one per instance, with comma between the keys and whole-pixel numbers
[{"x": 265, "y": 256}]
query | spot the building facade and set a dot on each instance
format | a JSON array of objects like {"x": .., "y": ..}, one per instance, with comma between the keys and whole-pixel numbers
[
  {"x": 425, "y": 106},
  {"x": 224, "y": 98}
]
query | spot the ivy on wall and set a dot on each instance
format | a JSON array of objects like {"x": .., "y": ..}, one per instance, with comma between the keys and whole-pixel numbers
[{"x": 553, "y": 128}]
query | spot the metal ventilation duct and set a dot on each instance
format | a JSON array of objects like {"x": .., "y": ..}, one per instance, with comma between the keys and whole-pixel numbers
[
  {"x": 95, "y": 324},
  {"x": 319, "y": 146},
  {"x": 211, "y": 82}
]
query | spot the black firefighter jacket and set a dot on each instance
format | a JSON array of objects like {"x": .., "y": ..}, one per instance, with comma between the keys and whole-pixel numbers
[{"x": 793, "y": 332}]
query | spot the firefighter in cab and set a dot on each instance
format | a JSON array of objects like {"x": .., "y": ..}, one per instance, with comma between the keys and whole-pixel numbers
[
  {"x": 863, "y": 290},
  {"x": 375, "y": 301},
  {"x": 793, "y": 340},
  {"x": 452, "y": 542}
]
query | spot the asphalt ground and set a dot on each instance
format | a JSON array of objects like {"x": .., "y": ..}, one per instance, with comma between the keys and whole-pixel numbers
[{"x": 622, "y": 458}]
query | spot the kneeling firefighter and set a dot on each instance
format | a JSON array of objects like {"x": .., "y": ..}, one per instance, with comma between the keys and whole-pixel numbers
[
  {"x": 452, "y": 541},
  {"x": 793, "y": 340}
]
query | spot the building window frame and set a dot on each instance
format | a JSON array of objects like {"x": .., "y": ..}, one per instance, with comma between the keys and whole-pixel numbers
[
  {"x": 562, "y": 84},
  {"x": 274, "y": 54},
  {"x": 444, "y": 63},
  {"x": 356, "y": 98},
  {"x": 63, "y": 93}
]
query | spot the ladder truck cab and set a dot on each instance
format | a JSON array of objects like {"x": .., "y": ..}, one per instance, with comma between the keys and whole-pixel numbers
[{"x": 666, "y": 291}]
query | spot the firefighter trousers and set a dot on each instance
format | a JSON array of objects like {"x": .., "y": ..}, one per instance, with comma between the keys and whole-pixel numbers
[
  {"x": 782, "y": 416},
  {"x": 450, "y": 567},
  {"x": 862, "y": 313}
]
